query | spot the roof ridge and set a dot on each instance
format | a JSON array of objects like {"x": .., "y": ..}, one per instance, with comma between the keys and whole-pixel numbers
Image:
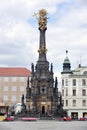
[{"x": 17, "y": 71}]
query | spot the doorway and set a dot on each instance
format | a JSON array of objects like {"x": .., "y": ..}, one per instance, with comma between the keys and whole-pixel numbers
[
  {"x": 43, "y": 109},
  {"x": 85, "y": 114},
  {"x": 74, "y": 115}
]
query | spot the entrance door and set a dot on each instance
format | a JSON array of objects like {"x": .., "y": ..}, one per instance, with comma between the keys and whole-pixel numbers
[
  {"x": 43, "y": 109},
  {"x": 85, "y": 114},
  {"x": 74, "y": 115}
]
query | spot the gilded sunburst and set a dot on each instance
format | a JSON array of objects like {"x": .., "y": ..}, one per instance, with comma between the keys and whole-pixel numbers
[{"x": 42, "y": 12}]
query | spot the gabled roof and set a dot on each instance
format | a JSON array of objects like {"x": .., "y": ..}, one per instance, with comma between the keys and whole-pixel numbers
[{"x": 7, "y": 71}]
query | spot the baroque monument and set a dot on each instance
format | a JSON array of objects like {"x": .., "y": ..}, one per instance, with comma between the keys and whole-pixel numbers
[{"x": 42, "y": 94}]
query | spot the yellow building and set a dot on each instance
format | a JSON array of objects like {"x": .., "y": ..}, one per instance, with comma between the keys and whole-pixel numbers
[{"x": 13, "y": 83}]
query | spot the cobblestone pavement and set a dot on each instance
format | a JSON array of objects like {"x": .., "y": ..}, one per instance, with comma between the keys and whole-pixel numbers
[{"x": 44, "y": 125}]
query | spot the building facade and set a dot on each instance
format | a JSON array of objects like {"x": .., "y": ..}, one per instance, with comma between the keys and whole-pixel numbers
[
  {"x": 74, "y": 90},
  {"x": 42, "y": 96},
  {"x": 13, "y": 83}
]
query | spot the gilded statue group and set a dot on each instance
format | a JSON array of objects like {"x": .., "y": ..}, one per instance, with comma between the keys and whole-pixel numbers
[{"x": 42, "y": 19}]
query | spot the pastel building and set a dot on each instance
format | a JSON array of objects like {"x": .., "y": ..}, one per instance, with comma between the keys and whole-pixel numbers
[{"x": 13, "y": 83}]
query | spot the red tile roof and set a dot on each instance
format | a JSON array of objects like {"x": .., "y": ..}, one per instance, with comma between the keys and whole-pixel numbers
[{"x": 14, "y": 71}]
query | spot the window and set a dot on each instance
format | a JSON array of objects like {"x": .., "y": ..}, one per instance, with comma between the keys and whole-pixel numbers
[
  {"x": 14, "y": 79},
  {"x": 22, "y": 79},
  {"x": 66, "y": 91},
  {"x": 83, "y": 92},
  {"x": 62, "y": 82},
  {"x": 5, "y": 79},
  {"x": 21, "y": 88},
  {"x": 74, "y": 92},
  {"x": 5, "y": 98},
  {"x": 66, "y": 82},
  {"x": 83, "y": 102},
  {"x": 62, "y": 92},
  {"x": 66, "y": 102},
  {"x": 74, "y": 103},
  {"x": 5, "y": 88},
  {"x": 13, "y": 88},
  {"x": 43, "y": 90},
  {"x": 74, "y": 82},
  {"x": 83, "y": 82},
  {"x": 13, "y": 98},
  {"x": 63, "y": 102}
]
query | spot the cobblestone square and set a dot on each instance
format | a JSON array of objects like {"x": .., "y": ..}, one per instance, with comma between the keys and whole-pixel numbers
[{"x": 44, "y": 125}]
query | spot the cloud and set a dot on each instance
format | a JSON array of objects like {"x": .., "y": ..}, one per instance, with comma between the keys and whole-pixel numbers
[{"x": 19, "y": 34}]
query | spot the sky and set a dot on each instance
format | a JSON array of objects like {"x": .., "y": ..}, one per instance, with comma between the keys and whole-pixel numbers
[{"x": 66, "y": 30}]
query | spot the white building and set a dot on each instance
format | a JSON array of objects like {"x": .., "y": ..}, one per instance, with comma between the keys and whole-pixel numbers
[{"x": 74, "y": 90}]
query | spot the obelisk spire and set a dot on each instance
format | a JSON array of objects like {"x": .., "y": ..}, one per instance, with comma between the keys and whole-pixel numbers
[{"x": 42, "y": 22}]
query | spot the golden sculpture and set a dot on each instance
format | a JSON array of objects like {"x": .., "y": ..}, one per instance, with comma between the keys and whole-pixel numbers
[
  {"x": 42, "y": 19},
  {"x": 42, "y": 50},
  {"x": 42, "y": 12}
]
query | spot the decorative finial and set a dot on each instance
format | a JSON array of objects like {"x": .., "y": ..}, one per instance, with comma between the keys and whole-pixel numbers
[
  {"x": 51, "y": 67},
  {"x": 66, "y": 52},
  {"x": 56, "y": 82},
  {"x": 41, "y": 16},
  {"x": 32, "y": 67}
]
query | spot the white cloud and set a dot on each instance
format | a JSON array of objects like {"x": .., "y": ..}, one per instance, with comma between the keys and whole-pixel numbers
[{"x": 19, "y": 34}]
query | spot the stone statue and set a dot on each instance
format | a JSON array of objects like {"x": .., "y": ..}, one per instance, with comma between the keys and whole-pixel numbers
[
  {"x": 32, "y": 67},
  {"x": 23, "y": 104},
  {"x": 22, "y": 99},
  {"x": 56, "y": 82},
  {"x": 51, "y": 67}
]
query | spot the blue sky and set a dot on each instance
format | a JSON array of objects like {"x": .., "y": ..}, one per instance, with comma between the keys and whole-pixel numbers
[{"x": 66, "y": 30}]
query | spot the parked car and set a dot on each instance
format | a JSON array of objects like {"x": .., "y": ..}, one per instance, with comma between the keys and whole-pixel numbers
[
  {"x": 67, "y": 118},
  {"x": 9, "y": 118},
  {"x": 83, "y": 119}
]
